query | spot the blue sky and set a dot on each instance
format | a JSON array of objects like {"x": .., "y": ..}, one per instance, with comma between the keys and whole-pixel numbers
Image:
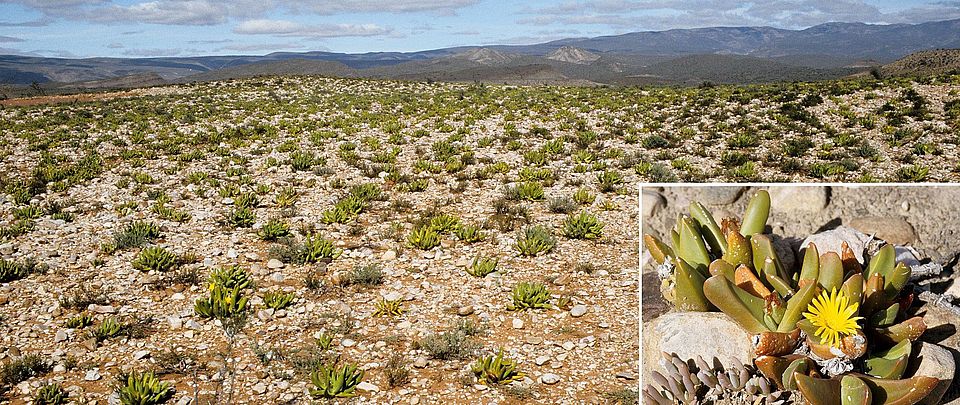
[{"x": 140, "y": 28}]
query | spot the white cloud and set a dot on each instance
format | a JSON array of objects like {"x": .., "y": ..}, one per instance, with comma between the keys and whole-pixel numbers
[{"x": 284, "y": 28}]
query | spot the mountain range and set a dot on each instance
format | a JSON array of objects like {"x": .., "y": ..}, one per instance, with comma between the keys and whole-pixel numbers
[{"x": 678, "y": 56}]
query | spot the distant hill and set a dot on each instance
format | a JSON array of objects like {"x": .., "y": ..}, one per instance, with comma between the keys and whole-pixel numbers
[
  {"x": 924, "y": 63},
  {"x": 719, "y": 54},
  {"x": 276, "y": 68}
]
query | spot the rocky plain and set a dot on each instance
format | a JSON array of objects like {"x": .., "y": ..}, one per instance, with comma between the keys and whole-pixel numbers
[{"x": 409, "y": 230}]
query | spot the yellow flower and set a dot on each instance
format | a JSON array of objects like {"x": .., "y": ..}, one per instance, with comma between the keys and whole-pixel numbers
[{"x": 833, "y": 315}]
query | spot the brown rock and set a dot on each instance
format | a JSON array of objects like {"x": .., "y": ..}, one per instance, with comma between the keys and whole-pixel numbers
[{"x": 893, "y": 230}]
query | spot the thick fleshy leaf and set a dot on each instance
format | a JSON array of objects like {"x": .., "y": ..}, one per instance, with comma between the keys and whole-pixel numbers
[
  {"x": 810, "y": 271},
  {"x": 762, "y": 250},
  {"x": 890, "y": 363},
  {"x": 770, "y": 273},
  {"x": 796, "y": 306},
  {"x": 755, "y": 217},
  {"x": 885, "y": 317},
  {"x": 852, "y": 346},
  {"x": 738, "y": 249},
  {"x": 689, "y": 289},
  {"x": 882, "y": 263},
  {"x": 818, "y": 391},
  {"x": 893, "y": 283},
  {"x": 873, "y": 296},
  {"x": 777, "y": 343},
  {"x": 831, "y": 271},
  {"x": 731, "y": 300},
  {"x": 853, "y": 391},
  {"x": 899, "y": 392},
  {"x": 853, "y": 289},
  {"x": 745, "y": 279},
  {"x": 691, "y": 248},
  {"x": 711, "y": 231},
  {"x": 850, "y": 263},
  {"x": 911, "y": 329},
  {"x": 657, "y": 249},
  {"x": 721, "y": 267},
  {"x": 773, "y": 367},
  {"x": 798, "y": 366}
]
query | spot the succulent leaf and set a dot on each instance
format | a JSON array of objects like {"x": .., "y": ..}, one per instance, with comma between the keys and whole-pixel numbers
[
  {"x": 911, "y": 329},
  {"x": 882, "y": 263},
  {"x": 818, "y": 391},
  {"x": 744, "y": 308},
  {"x": 721, "y": 267},
  {"x": 831, "y": 271},
  {"x": 853, "y": 288},
  {"x": 798, "y": 366},
  {"x": 755, "y": 217},
  {"x": 810, "y": 270},
  {"x": 745, "y": 279},
  {"x": 691, "y": 248},
  {"x": 853, "y": 391},
  {"x": 796, "y": 305},
  {"x": 890, "y": 363},
  {"x": 688, "y": 293},
  {"x": 657, "y": 249},
  {"x": 738, "y": 249},
  {"x": 899, "y": 392},
  {"x": 718, "y": 244}
]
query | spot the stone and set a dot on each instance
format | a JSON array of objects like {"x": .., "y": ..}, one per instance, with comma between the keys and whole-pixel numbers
[
  {"x": 92, "y": 375},
  {"x": 541, "y": 360},
  {"x": 175, "y": 322},
  {"x": 799, "y": 199},
  {"x": 954, "y": 289},
  {"x": 141, "y": 354},
  {"x": 652, "y": 203},
  {"x": 90, "y": 344},
  {"x": 689, "y": 334},
  {"x": 933, "y": 360},
  {"x": 102, "y": 309},
  {"x": 517, "y": 323},
  {"x": 389, "y": 255},
  {"x": 578, "y": 310},
  {"x": 830, "y": 241},
  {"x": 465, "y": 310},
  {"x": 367, "y": 386},
  {"x": 549, "y": 379},
  {"x": 265, "y": 314},
  {"x": 719, "y": 195},
  {"x": 60, "y": 336},
  {"x": 627, "y": 375},
  {"x": 348, "y": 342},
  {"x": 274, "y": 264},
  {"x": 893, "y": 230},
  {"x": 420, "y": 362},
  {"x": 568, "y": 346},
  {"x": 259, "y": 388}
]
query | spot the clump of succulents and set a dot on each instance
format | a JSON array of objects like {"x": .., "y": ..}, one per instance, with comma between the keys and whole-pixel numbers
[
  {"x": 530, "y": 295},
  {"x": 143, "y": 389},
  {"x": 534, "y": 240},
  {"x": 496, "y": 370},
  {"x": 155, "y": 258},
  {"x": 226, "y": 300},
  {"x": 696, "y": 381},
  {"x": 830, "y": 318},
  {"x": 335, "y": 381},
  {"x": 389, "y": 308}
]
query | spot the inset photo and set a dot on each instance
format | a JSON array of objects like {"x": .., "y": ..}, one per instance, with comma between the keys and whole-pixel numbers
[{"x": 823, "y": 294}]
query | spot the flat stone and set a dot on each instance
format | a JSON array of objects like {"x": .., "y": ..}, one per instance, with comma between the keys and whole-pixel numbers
[
  {"x": 367, "y": 386},
  {"x": 102, "y": 309},
  {"x": 90, "y": 344},
  {"x": 61, "y": 336},
  {"x": 259, "y": 388},
  {"x": 517, "y": 323},
  {"x": 541, "y": 360},
  {"x": 626, "y": 375},
  {"x": 689, "y": 334},
  {"x": 92, "y": 375},
  {"x": 141, "y": 354},
  {"x": 175, "y": 322},
  {"x": 652, "y": 203},
  {"x": 719, "y": 195},
  {"x": 420, "y": 362},
  {"x": 274, "y": 264},
  {"x": 893, "y": 230},
  {"x": 832, "y": 240},
  {"x": 954, "y": 289},
  {"x": 933, "y": 360},
  {"x": 465, "y": 310},
  {"x": 578, "y": 310},
  {"x": 348, "y": 342},
  {"x": 799, "y": 199},
  {"x": 549, "y": 379},
  {"x": 568, "y": 346},
  {"x": 389, "y": 255}
]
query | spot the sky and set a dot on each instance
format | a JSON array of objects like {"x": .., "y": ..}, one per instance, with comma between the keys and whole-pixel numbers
[{"x": 139, "y": 28}]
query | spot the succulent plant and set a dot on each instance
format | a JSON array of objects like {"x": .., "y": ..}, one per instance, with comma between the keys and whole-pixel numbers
[
  {"x": 51, "y": 394},
  {"x": 143, "y": 389},
  {"x": 583, "y": 226},
  {"x": 424, "y": 237},
  {"x": 274, "y": 229},
  {"x": 481, "y": 266},
  {"x": 316, "y": 249},
  {"x": 335, "y": 381},
  {"x": 535, "y": 240},
  {"x": 155, "y": 258},
  {"x": 230, "y": 277},
  {"x": 695, "y": 382},
  {"x": 830, "y": 317},
  {"x": 79, "y": 322},
  {"x": 390, "y": 308},
  {"x": 496, "y": 370},
  {"x": 107, "y": 329},
  {"x": 530, "y": 296},
  {"x": 223, "y": 303},
  {"x": 278, "y": 300},
  {"x": 469, "y": 233}
]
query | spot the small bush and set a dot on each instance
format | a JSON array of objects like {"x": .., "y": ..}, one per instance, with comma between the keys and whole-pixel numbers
[
  {"x": 396, "y": 371},
  {"x": 51, "y": 394},
  {"x": 142, "y": 389},
  {"x": 21, "y": 369},
  {"x": 448, "y": 345},
  {"x": 241, "y": 217},
  {"x": 136, "y": 234},
  {"x": 424, "y": 237},
  {"x": 561, "y": 205},
  {"x": 366, "y": 275},
  {"x": 278, "y": 300},
  {"x": 274, "y": 229},
  {"x": 469, "y": 233},
  {"x": 496, "y": 370},
  {"x": 609, "y": 181},
  {"x": 390, "y": 308},
  {"x": 335, "y": 381},
  {"x": 482, "y": 266}
]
